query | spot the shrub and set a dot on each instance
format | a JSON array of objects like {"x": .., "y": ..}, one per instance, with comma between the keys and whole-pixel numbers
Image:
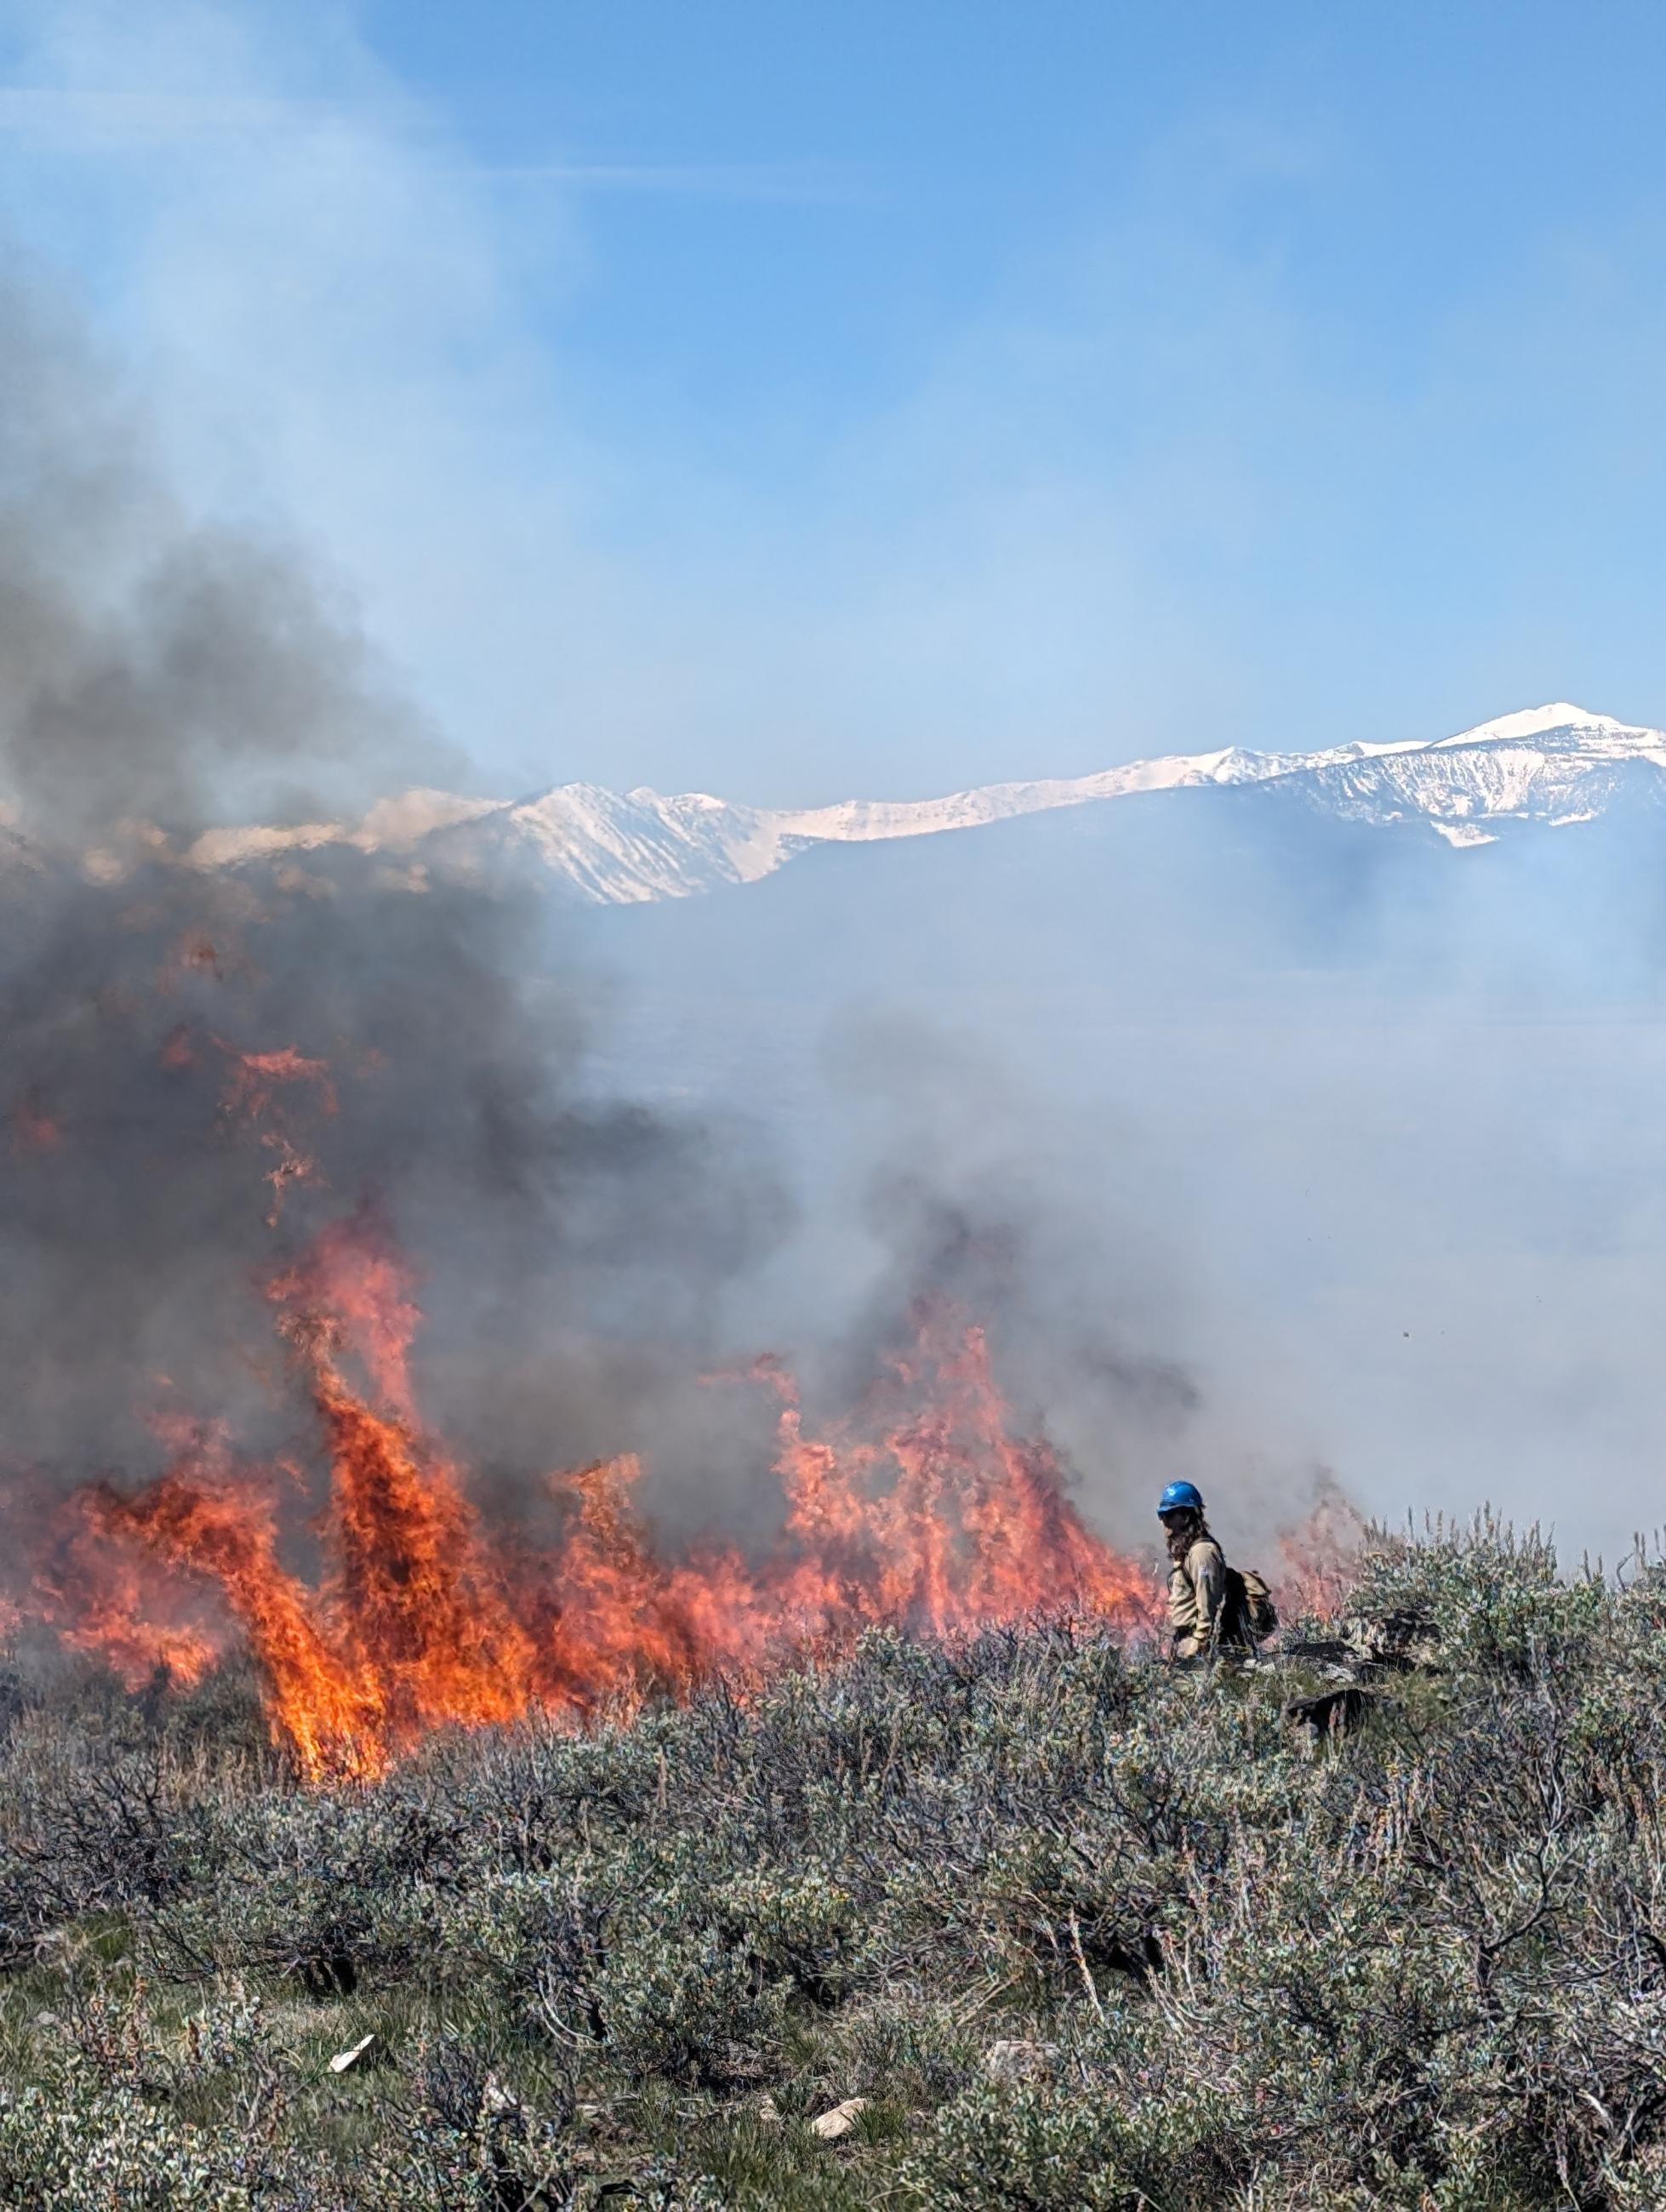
[{"x": 1085, "y": 1930}]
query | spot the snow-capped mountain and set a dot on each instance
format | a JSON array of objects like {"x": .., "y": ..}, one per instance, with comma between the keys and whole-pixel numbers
[{"x": 1552, "y": 765}]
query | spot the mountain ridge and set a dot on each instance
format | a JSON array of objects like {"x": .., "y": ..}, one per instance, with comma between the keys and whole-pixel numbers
[{"x": 1554, "y": 765}]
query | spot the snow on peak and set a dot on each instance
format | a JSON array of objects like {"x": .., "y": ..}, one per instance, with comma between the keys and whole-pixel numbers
[
  {"x": 1554, "y": 765},
  {"x": 1535, "y": 721}
]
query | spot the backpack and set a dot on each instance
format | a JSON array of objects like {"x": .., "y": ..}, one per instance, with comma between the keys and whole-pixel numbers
[{"x": 1249, "y": 1603}]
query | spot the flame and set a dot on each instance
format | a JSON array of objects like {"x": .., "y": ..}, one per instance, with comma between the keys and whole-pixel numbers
[
  {"x": 943, "y": 1520},
  {"x": 326, "y": 1708},
  {"x": 254, "y": 1095},
  {"x": 413, "y": 1586},
  {"x": 255, "y": 1078},
  {"x": 923, "y": 1510},
  {"x": 622, "y": 1620},
  {"x": 117, "y": 1601},
  {"x": 376, "y": 1598},
  {"x": 1319, "y": 1559},
  {"x": 353, "y": 1290}
]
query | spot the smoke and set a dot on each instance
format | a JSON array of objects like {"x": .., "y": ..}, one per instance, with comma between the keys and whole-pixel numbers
[
  {"x": 213, "y": 1067},
  {"x": 1271, "y": 1148},
  {"x": 1069, "y": 1216},
  {"x": 1353, "y": 1133},
  {"x": 1081, "y": 1365},
  {"x": 154, "y": 668},
  {"x": 274, "y": 1122},
  {"x": 204, "y": 1070}
]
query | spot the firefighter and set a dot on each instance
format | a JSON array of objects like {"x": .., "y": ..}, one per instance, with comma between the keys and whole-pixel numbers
[{"x": 1201, "y": 1611}]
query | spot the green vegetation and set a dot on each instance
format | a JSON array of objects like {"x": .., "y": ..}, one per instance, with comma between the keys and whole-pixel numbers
[{"x": 1084, "y": 1930}]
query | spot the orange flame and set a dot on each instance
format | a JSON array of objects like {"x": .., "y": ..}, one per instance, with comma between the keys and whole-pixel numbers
[
  {"x": 117, "y": 1601},
  {"x": 254, "y": 1095},
  {"x": 1320, "y": 1559},
  {"x": 923, "y": 1510},
  {"x": 354, "y": 1290}
]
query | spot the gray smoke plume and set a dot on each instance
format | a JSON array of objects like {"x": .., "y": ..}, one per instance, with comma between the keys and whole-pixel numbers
[{"x": 159, "y": 676}]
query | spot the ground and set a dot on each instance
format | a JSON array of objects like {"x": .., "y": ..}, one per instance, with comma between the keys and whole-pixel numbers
[{"x": 1083, "y": 1930}]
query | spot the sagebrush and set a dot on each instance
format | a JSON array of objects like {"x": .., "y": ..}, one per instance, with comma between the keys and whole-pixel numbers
[{"x": 1083, "y": 1930}]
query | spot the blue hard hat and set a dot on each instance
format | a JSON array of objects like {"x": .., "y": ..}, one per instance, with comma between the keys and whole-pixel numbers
[{"x": 1179, "y": 1494}]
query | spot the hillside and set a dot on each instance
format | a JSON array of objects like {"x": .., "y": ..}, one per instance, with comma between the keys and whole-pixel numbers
[
  {"x": 1041, "y": 1924},
  {"x": 1555, "y": 766},
  {"x": 1203, "y": 895},
  {"x": 1552, "y": 766}
]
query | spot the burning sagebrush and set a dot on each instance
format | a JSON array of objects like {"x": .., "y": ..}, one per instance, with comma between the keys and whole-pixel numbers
[{"x": 922, "y": 1511}]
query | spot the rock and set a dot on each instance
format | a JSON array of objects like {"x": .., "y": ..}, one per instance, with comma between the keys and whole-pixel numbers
[
  {"x": 1336, "y": 1712},
  {"x": 1402, "y": 1642},
  {"x": 1335, "y": 1656},
  {"x": 1016, "y": 2059},
  {"x": 343, "y": 2059},
  {"x": 830, "y": 2126},
  {"x": 1405, "y": 1644}
]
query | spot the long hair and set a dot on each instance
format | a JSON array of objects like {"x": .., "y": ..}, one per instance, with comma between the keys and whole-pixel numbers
[{"x": 1183, "y": 1529}]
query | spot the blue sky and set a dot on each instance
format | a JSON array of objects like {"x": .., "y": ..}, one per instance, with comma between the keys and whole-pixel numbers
[{"x": 797, "y": 400}]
